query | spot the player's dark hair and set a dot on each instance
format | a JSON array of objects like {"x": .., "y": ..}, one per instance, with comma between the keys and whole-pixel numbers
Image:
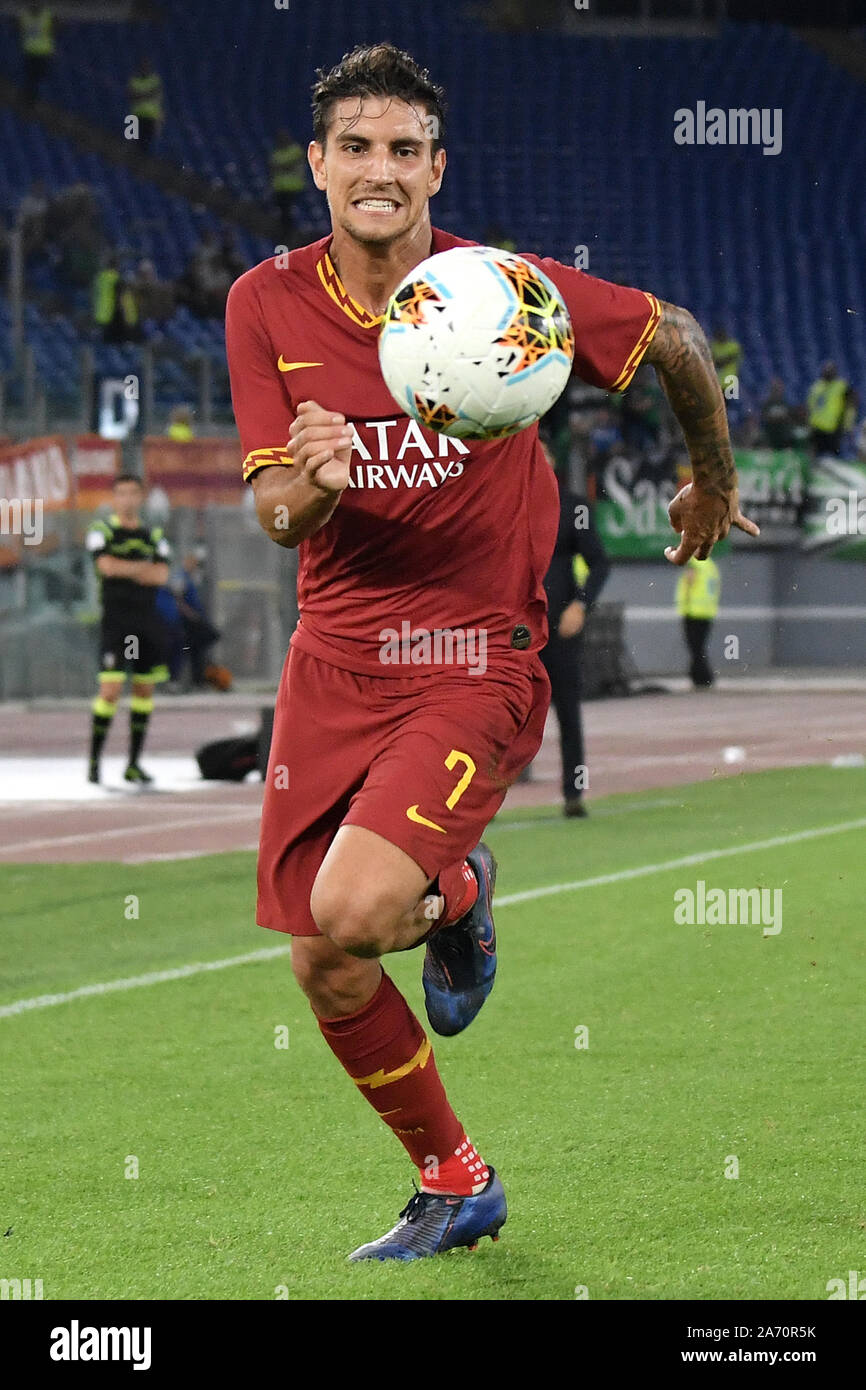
[
  {"x": 127, "y": 478},
  {"x": 377, "y": 70}
]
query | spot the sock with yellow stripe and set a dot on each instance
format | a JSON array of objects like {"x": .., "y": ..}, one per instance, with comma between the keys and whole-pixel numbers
[
  {"x": 103, "y": 713},
  {"x": 458, "y": 888},
  {"x": 140, "y": 709},
  {"x": 389, "y": 1057}
]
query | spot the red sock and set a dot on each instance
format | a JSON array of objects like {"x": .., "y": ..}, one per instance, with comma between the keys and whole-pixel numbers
[
  {"x": 388, "y": 1056},
  {"x": 459, "y": 887},
  {"x": 464, "y": 1172}
]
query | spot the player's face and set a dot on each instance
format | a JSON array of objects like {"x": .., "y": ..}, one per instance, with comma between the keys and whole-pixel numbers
[
  {"x": 127, "y": 500},
  {"x": 377, "y": 167}
]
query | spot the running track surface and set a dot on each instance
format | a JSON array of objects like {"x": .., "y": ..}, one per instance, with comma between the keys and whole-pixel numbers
[{"x": 49, "y": 814}]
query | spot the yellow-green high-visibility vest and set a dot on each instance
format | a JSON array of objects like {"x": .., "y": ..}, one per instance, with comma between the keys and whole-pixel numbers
[
  {"x": 128, "y": 307},
  {"x": 105, "y": 295},
  {"x": 699, "y": 589},
  {"x": 37, "y": 32},
  {"x": 827, "y": 404},
  {"x": 727, "y": 356},
  {"x": 287, "y": 175},
  {"x": 146, "y": 93}
]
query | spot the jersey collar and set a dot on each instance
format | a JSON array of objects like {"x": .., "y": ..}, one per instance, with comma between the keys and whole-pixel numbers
[{"x": 334, "y": 287}]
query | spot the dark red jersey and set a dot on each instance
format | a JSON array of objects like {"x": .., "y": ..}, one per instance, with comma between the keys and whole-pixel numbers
[{"x": 432, "y": 534}]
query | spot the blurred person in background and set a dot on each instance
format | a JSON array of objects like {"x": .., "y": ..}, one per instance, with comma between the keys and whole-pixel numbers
[
  {"x": 36, "y": 35},
  {"x": 114, "y": 305},
  {"x": 571, "y": 449},
  {"x": 641, "y": 412},
  {"x": 199, "y": 633},
  {"x": 831, "y": 404},
  {"x": 699, "y": 590},
  {"x": 132, "y": 561},
  {"x": 189, "y": 631},
  {"x": 568, "y": 604},
  {"x": 212, "y": 269},
  {"x": 31, "y": 216},
  {"x": 287, "y": 162},
  {"x": 74, "y": 232},
  {"x": 605, "y": 436},
  {"x": 727, "y": 357},
  {"x": 144, "y": 92},
  {"x": 180, "y": 426},
  {"x": 156, "y": 298},
  {"x": 777, "y": 419}
]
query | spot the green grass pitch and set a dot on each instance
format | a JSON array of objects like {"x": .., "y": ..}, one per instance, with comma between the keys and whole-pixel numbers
[{"x": 260, "y": 1167}]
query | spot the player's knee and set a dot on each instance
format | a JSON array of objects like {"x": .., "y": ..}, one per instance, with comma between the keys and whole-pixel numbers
[{"x": 356, "y": 921}]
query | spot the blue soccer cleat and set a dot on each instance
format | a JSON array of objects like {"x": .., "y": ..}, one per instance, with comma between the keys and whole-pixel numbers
[
  {"x": 430, "y": 1224},
  {"x": 460, "y": 963}
]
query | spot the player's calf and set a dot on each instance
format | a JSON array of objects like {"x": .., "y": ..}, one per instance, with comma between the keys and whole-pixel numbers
[{"x": 335, "y": 983}]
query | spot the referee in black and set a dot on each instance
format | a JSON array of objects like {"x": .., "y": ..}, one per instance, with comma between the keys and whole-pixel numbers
[
  {"x": 132, "y": 562},
  {"x": 568, "y": 604}
]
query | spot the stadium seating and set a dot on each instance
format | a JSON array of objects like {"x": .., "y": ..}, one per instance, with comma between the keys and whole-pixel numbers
[{"x": 773, "y": 246}]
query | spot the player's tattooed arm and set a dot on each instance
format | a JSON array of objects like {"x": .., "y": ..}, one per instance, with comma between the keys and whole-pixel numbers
[
  {"x": 705, "y": 509},
  {"x": 294, "y": 500},
  {"x": 681, "y": 355}
]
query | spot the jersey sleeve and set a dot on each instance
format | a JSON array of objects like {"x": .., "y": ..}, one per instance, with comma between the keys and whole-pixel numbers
[
  {"x": 613, "y": 325},
  {"x": 262, "y": 411}
]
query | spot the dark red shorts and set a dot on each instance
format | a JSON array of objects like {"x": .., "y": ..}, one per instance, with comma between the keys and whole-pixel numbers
[{"x": 424, "y": 761}]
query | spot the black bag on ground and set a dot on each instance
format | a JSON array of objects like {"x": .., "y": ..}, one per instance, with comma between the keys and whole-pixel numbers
[{"x": 228, "y": 759}]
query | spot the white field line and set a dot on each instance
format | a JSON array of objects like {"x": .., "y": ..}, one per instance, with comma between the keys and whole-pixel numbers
[
  {"x": 556, "y": 813},
  {"x": 684, "y": 862},
  {"x": 45, "y": 1001},
  {"x": 189, "y": 824},
  {"x": 155, "y": 977}
]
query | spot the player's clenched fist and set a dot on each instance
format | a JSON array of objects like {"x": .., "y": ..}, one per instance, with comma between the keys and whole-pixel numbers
[{"x": 321, "y": 444}]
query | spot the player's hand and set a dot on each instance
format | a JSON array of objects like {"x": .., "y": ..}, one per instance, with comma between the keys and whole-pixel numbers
[
  {"x": 702, "y": 518},
  {"x": 572, "y": 619},
  {"x": 321, "y": 444}
]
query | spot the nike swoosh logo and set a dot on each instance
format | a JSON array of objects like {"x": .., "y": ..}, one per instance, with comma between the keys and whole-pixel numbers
[
  {"x": 285, "y": 366},
  {"x": 413, "y": 814}
]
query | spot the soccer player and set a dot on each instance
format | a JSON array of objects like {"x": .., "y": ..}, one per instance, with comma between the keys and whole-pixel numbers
[
  {"x": 383, "y": 772},
  {"x": 132, "y": 561}
]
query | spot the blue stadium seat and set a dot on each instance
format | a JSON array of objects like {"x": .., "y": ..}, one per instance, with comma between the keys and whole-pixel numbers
[{"x": 559, "y": 140}]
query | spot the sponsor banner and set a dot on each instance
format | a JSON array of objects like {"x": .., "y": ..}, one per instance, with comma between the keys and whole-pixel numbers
[
  {"x": 194, "y": 473},
  {"x": 631, "y": 511},
  {"x": 834, "y": 522},
  {"x": 773, "y": 485},
  {"x": 37, "y": 470},
  {"x": 632, "y": 507},
  {"x": 95, "y": 463}
]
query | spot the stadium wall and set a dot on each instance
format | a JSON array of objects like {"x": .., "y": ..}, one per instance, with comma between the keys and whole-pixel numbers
[{"x": 786, "y": 609}]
